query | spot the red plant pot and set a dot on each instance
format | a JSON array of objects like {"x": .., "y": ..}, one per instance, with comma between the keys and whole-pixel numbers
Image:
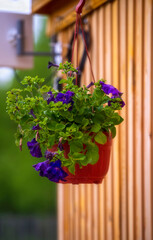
[{"x": 90, "y": 173}]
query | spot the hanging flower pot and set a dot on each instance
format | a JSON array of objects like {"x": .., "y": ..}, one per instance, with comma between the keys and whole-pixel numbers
[
  {"x": 77, "y": 122},
  {"x": 90, "y": 173}
]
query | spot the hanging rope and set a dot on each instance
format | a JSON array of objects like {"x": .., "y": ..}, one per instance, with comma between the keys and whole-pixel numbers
[{"x": 76, "y": 33}]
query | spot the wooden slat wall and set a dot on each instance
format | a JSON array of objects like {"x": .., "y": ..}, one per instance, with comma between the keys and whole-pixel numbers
[{"x": 121, "y": 207}]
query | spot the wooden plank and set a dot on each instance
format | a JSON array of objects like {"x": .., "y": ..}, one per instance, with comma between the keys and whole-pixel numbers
[
  {"x": 71, "y": 212},
  {"x": 101, "y": 43},
  {"x": 108, "y": 76},
  {"x": 138, "y": 121},
  {"x": 152, "y": 131},
  {"x": 130, "y": 80},
  {"x": 94, "y": 48},
  {"x": 60, "y": 211},
  {"x": 38, "y": 4},
  {"x": 115, "y": 150},
  {"x": 147, "y": 119},
  {"x": 95, "y": 211},
  {"x": 102, "y": 211},
  {"x": 65, "y": 16},
  {"x": 101, "y": 74},
  {"x": 89, "y": 222},
  {"x": 76, "y": 212},
  {"x": 82, "y": 209},
  {"x": 122, "y": 127},
  {"x": 66, "y": 211}
]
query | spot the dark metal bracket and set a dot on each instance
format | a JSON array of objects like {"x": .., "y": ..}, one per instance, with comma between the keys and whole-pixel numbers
[{"x": 20, "y": 43}]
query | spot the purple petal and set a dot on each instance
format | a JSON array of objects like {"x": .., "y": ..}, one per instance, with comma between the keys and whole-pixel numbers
[
  {"x": 107, "y": 88},
  {"x": 51, "y": 98},
  {"x": 90, "y": 84},
  {"x": 122, "y": 103},
  {"x": 32, "y": 113},
  {"x": 49, "y": 155},
  {"x": 36, "y": 127},
  {"x": 53, "y": 171},
  {"x": 50, "y": 64},
  {"x": 34, "y": 148}
]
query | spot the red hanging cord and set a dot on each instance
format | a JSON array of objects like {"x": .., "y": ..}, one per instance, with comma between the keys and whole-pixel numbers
[
  {"x": 75, "y": 35},
  {"x": 86, "y": 48},
  {"x": 78, "y": 20}
]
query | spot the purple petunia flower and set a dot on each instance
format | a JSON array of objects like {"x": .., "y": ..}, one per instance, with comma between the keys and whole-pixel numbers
[
  {"x": 49, "y": 155},
  {"x": 32, "y": 113},
  {"x": 107, "y": 88},
  {"x": 50, "y": 64},
  {"x": 36, "y": 127},
  {"x": 62, "y": 97},
  {"x": 90, "y": 84},
  {"x": 122, "y": 103},
  {"x": 65, "y": 98},
  {"x": 53, "y": 171},
  {"x": 34, "y": 148},
  {"x": 42, "y": 167},
  {"x": 51, "y": 98}
]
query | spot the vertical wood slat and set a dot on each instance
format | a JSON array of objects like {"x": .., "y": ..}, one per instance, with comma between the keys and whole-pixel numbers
[
  {"x": 130, "y": 79},
  {"x": 101, "y": 72},
  {"x": 121, "y": 207},
  {"x": 138, "y": 120},
  {"x": 115, "y": 152},
  {"x": 123, "y": 132},
  {"x": 148, "y": 5},
  {"x": 108, "y": 76}
]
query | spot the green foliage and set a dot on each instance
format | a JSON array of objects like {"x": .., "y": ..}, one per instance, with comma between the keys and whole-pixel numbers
[
  {"x": 20, "y": 193},
  {"x": 82, "y": 126}
]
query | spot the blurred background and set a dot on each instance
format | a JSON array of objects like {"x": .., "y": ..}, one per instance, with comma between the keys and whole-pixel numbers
[{"x": 27, "y": 201}]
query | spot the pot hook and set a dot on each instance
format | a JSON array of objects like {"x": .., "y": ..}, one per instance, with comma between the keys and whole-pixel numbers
[{"x": 80, "y": 6}]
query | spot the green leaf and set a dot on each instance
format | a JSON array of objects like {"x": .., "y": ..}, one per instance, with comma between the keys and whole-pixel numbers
[
  {"x": 116, "y": 119},
  {"x": 85, "y": 122},
  {"x": 92, "y": 154},
  {"x": 71, "y": 168},
  {"x": 101, "y": 138},
  {"x": 60, "y": 126},
  {"x": 51, "y": 140},
  {"x": 113, "y": 131},
  {"x": 78, "y": 135},
  {"x": 51, "y": 125},
  {"x": 76, "y": 146},
  {"x": 78, "y": 156},
  {"x": 62, "y": 81},
  {"x": 95, "y": 128}
]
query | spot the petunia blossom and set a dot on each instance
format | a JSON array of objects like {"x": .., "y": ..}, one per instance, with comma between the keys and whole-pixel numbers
[
  {"x": 42, "y": 168},
  {"x": 50, "y": 64},
  {"x": 53, "y": 171},
  {"x": 49, "y": 155},
  {"x": 121, "y": 102},
  {"x": 37, "y": 127},
  {"x": 32, "y": 113},
  {"x": 51, "y": 97},
  {"x": 34, "y": 148},
  {"x": 65, "y": 98},
  {"x": 90, "y": 85},
  {"x": 107, "y": 88}
]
